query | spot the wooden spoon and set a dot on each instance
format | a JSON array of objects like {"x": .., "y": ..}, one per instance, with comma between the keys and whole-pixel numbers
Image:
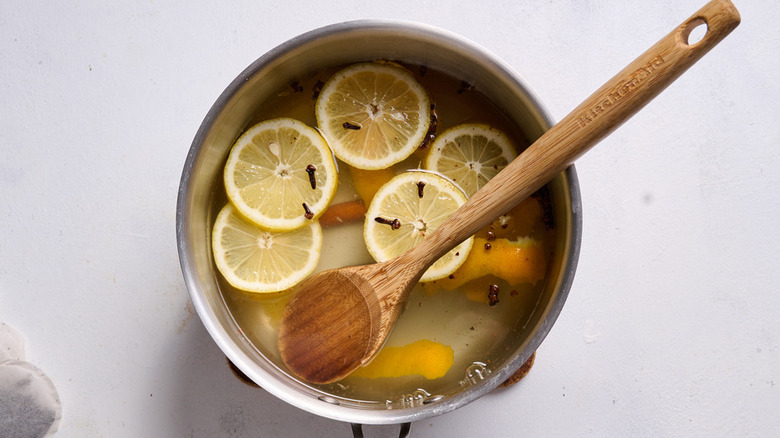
[{"x": 338, "y": 319}]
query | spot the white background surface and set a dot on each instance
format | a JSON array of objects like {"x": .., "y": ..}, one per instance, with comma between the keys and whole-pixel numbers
[{"x": 671, "y": 327}]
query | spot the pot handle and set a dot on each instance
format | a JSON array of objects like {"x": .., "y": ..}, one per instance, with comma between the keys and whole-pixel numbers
[{"x": 357, "y": 430}]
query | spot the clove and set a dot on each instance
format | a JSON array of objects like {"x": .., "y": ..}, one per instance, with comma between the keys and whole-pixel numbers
[
  {"x": 308, "y": 214},
  {"x": 493, "y": 294},
  {"x": 394, "y": 223},
  {"x": 420, "y": 187},
  {"x": 310, "y": 169}
]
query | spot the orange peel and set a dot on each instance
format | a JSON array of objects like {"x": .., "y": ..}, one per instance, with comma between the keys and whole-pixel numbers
[
  {"x": 522, "y": 220},
  {"x": 426, "y": 358},
  {"x": 368, "y": 182},
  {"x": 514, "y": 261}
]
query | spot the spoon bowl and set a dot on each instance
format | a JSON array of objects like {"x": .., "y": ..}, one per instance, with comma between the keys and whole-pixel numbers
[{"x": 346, "y": 328}]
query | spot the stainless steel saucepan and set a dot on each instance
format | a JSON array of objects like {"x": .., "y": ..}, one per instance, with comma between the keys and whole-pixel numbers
[{"x": 234, "y": 110}]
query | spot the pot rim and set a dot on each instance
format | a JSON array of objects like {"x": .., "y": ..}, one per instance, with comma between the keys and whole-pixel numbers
[{"x": 285, "y": 390}]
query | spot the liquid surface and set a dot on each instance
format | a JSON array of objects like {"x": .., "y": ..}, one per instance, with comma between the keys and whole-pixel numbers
[{"x": 478, "y": 333}]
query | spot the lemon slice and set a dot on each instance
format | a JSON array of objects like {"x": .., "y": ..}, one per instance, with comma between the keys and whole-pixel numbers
[
  {"x": 281, "y": 174},
  {"x": 257, "y": 260},
  {"x": 373, "y": 115},
  {"x": 408, "y": 208},
  {"x": 470, "y": 155}
]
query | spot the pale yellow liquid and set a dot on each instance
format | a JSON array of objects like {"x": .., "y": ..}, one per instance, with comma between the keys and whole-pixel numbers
[{"x": 477, "y": 332}]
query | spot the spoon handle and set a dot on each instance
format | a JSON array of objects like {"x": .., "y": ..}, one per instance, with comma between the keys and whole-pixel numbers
[{"x": 602, "y": 112}]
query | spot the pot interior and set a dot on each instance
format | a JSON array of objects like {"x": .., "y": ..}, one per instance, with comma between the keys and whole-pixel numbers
[{"x": 202, "y": 195}]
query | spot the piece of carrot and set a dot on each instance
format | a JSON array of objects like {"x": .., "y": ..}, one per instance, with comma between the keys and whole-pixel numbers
[{"x": 343, "y": 213}]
